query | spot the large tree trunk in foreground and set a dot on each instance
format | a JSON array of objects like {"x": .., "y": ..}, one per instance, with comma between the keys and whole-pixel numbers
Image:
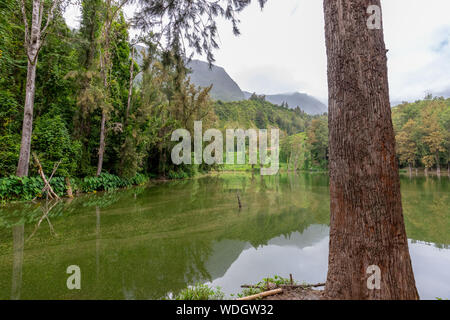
[{"x": 366, "y": 225}]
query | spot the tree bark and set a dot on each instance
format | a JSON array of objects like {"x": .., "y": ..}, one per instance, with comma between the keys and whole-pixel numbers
[
  {"x": 27, "y": 125},
  {"x": 366, "y": 225},
  {"x": 130, "y": 88},
  {"x": 101, "y": 149}
]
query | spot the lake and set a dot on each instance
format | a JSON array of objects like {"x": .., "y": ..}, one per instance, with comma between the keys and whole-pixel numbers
[{"x": 151, "y": 242}]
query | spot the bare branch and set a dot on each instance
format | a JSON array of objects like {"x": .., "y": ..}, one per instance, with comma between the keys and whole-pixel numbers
[
  {"x": 50, "y": 17},
  {"x": 25, "y": 22},
  {"x": 41, "y": 13}
]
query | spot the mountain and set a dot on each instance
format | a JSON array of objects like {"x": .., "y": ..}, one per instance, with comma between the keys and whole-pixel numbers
[
  {"x": 306, "y": 102},
  {"x": 224, "y": 88}
]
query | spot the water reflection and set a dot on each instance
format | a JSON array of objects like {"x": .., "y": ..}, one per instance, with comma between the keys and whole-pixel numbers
[
  {"x": 305, "y": 255},
  {"x": 146, "y": 243}
]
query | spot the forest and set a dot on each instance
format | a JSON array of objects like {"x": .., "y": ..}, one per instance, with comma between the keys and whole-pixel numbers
[
  {"x": 117, "y": 125},
  {"x": 111, "y": 122}
]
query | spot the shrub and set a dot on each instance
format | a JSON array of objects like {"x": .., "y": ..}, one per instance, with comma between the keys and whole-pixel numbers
[
  {"x": 200, "y": 292},
  {"x": 27, "y": 188}
]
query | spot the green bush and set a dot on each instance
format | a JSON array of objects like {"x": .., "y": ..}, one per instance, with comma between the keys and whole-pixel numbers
[
  {"x": 27, "y": 188},
  {"x": 51, "y": 141}
]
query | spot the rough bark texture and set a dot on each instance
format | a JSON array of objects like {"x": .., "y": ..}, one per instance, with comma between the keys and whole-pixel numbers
[{"x": 366, "y": 225}]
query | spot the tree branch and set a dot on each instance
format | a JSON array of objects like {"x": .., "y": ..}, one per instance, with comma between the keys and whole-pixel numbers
[{"x": 25, "y": 22}]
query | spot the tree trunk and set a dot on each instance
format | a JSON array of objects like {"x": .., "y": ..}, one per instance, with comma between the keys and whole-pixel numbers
[
  {"x": 366, "y": 225},
  {"x": 438, "y": 167},
  {"x": 410, "y": 170},
  {"x": 27, "y": 125},
  {"x": 130, "y": 88},
  {"x": 101, "y": 149},
  {"x": 32, "y": 43}
]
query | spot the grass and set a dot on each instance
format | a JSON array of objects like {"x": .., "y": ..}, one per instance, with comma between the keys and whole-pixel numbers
[{"x": 200, "y": 292}]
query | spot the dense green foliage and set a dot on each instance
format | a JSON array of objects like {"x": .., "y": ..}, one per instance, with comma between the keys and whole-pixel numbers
[
  {"x": 71, "y": 96},
  {"x": 261, "y": 114},
  {"x": 28, "y": 188},
  {"x": 423, "y": 132}
]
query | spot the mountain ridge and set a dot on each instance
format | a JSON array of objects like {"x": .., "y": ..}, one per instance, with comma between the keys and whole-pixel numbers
[{"x": 227, "y": 90}]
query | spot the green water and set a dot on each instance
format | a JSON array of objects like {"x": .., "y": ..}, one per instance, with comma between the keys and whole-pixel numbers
[{"x": 151, "y": 242}]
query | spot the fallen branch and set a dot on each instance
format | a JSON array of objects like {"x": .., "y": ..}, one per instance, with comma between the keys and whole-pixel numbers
[
  {"x": 286, "y": 286},
  {"x": 304, "y": 286},
  {"x": 47, "y": 186},
  {"x": 262, "y": 294}
]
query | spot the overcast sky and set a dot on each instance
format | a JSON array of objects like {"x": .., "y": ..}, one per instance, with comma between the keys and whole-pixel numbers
[{"x": 282, "y": 48}]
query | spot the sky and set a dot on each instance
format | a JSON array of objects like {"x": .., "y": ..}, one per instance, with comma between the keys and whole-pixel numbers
[{"x": 282, "y": 48}]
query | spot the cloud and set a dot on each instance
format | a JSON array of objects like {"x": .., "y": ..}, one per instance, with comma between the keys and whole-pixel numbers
[{"x": 282, "y": 48}]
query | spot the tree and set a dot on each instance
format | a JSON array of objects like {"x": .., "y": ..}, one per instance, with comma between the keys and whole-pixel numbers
[
  {"x": 407, "y": 144},
  {"x": 111, "y": 9},
  {"x": 434, "y": 137},
  {"x": 34, "y": 39},
  {"x": 317, "y": 142},
  {"x": 366, "y": 225},
  {"x": 193, "y": 20},
  {"x": 428, "y": 162}
]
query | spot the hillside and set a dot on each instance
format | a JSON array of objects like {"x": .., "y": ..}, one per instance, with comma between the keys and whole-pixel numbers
[
  {"x": 306, "y": 102},
  {"x": 261, "y": 115},
  {"x": 224, "y": 88}
]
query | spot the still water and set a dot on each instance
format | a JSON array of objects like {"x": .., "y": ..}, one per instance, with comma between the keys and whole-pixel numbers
[{"x": 152, "y": 242}]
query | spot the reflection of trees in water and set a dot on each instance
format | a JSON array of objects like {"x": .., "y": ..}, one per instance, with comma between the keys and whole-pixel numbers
[
  {"x": 426, "y": 203},
  {"x": 18, "y": 241},
  {"x": 162, "y": 240}
]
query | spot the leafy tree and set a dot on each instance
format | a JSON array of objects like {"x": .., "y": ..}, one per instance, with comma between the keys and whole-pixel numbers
[
  {"x": 433, "y": 134},
  {"x": 317, "y": 142},
  {"x": 407, "y": 148},
  {"x": 35, "y": 33}
]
